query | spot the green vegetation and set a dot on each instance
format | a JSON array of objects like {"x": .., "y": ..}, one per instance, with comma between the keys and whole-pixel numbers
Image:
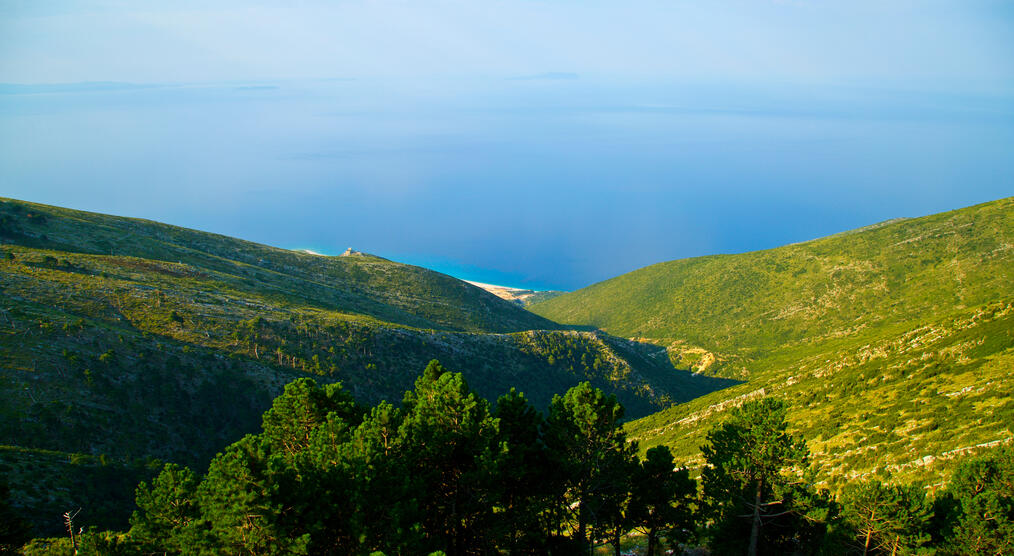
[
  {"x": 662, "y": 502},
  {"x": 136, "y": 340},
  {"x": 979, "y": 506},
  {"x": 128, "y": 249},
  {"x": 15, "y": 531},
  {"x": 881, "y": 360},
  {"x": 892, "y": 344},
  {"x": 756, "y": 485},
  {"x": 45, "y": 484},
  {"x": 446, "y": 472},
  {"x": 539, "y": 297},
  {"x": 881, "y": 518}
]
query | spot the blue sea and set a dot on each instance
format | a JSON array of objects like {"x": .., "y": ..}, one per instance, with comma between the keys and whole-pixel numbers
[{"x": 550, "y": 182}]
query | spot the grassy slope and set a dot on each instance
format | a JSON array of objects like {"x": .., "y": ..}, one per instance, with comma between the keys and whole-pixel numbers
[
  {"x": 366, "y": 285},
  {"x": 893, "y": 343},
  {"x": 539, "y": 297},
  {"x": 131, "y": 340}
]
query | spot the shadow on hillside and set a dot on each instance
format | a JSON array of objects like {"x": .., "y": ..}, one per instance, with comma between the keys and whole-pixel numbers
[
  {"x": 581, "y": 328},
  {"x": 702, "y": 385},
  {"x": 652, "y": 361}
]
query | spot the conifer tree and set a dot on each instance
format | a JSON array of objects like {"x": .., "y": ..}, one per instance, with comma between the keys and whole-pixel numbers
[
  {"x": 882, "y": 519},
  {"x": 447, "y": 435},
  {"x": 612, "y": 488},
  {"x": 752, "y": 478},
  {"x": 387, "y": 512},
  {"x": 584, "y": 439},
  {"x": 662, "y": 500},
  {"x": 252, "y": 502},
  {"x": 167, "y": 510},
  {"x": 981, "y": 494},
  {"x": 327, "y": 483},
  {"x": 522, "y": 481},
  {"x": 302, "y": 407}
]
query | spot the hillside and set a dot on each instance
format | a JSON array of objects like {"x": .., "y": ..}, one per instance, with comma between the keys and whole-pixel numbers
[
  {"x": 893, "y": 343},
  {"x": 363, "y": 285},
  {"x": 123, "y": 340}
]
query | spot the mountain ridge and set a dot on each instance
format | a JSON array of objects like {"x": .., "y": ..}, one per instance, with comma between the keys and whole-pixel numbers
[{"x": 95, "y": 233}]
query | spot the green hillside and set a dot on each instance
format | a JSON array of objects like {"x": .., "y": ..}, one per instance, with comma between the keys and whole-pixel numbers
[
  {"x": 123, "y": 340},
  {"x": 362, "y": 284},
  {"x": 893, "y": 343}
]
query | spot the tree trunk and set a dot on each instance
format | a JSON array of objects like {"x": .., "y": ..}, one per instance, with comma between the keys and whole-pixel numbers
[
  {"x": 582, "y": 529},
  {"x": 455, "y": 524},
  {"x": 616, "y": 540},
  {"x": 651, "y": 542},
  {"x": 755, "y": 527},
  {"x": 869, "y": 531}
]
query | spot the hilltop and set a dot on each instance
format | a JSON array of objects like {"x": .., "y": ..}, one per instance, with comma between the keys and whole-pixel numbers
[{"x": 892, "y": 343}]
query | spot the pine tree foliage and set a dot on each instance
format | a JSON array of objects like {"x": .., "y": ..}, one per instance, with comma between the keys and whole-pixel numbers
[
  {"x": 301, "y": 408},
  {"x": 755, "y": 482},
  {"x": 663, "y": 500},
  {"x": 982, "y": 497},
  {"x": 883, "y": 519},
  {"x": 447, "y": 473},
  {"x": 447, "y": 437},
  {"x": 523, "y": 484},
  {"x": 166, "y": 508},
  {"x": 586, "y": 442}
]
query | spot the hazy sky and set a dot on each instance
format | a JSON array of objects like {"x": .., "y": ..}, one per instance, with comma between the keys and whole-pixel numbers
[
  {"x": 956, "y": 44},
  {"x": 539, "y": 143}
]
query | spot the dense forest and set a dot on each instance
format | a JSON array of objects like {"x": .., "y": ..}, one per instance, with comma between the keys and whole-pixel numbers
[{"x": 448, "y": 472}]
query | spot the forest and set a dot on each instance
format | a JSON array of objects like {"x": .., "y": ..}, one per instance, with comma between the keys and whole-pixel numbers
[{"x": 448, "y": 472}]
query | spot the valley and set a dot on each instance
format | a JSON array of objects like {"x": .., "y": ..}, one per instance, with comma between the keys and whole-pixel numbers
[{"x": 130, "y": 341}]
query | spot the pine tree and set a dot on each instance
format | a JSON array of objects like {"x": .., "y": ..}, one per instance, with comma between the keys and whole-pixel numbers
[
  {"x": 585, "y": 441},
  {"x": 384, "y": 496},
  {"x": 982, "y": 496},
  {"x": 301, "y": 408},
  {"x": 612, "y": 487},
  {"x": 167, "y": 510},
  {"x": 753, "y": 468},
  {"x": 662, "y": 500},
  {"x": 522, "y": 480},
  {"x": 327, "y": 484},
  {"x": 883, "y": 519},
  {"x": 446, "y": 436},
  {"x": 252, "y": 502}
]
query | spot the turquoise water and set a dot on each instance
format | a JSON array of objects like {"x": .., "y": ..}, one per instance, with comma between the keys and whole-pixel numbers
[{"x": 540, "y": 183}]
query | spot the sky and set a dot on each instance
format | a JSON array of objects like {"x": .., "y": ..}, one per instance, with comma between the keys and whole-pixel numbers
[{"x": 540, "y": 144}]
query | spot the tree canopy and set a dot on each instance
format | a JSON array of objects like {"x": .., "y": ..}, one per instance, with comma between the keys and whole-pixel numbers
[
  {"x": 755, "y": 482},
  {"x": 448, "y": 472}
]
